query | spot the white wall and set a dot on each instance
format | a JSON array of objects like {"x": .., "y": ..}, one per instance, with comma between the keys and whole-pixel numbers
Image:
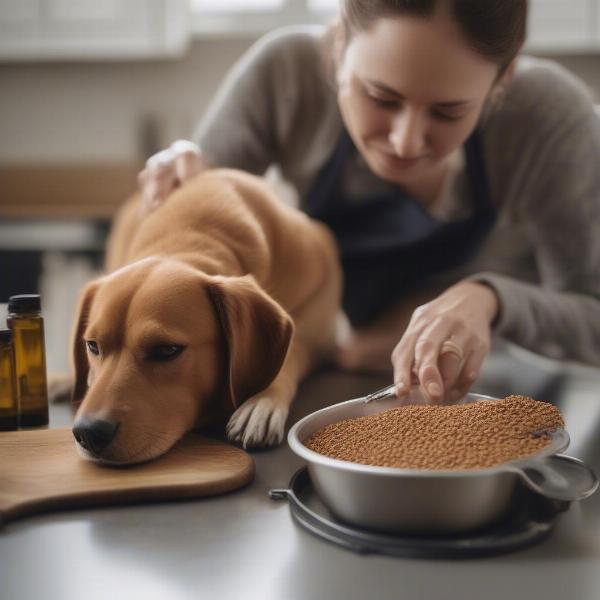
[{"x": 96, "y": 111}]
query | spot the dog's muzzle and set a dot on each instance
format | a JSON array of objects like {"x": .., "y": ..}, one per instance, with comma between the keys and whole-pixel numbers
[{"x": 94, "y": 435}]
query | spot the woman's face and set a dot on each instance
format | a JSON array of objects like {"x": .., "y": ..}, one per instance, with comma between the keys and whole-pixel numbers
[{"x": 410, "y": 92}]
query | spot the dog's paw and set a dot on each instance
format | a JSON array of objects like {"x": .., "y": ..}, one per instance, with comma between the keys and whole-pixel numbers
[{"x": 260, "y": 421}]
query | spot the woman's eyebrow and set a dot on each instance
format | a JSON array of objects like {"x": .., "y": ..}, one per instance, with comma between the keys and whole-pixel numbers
[
  {"x": 384, "y": 88},
  {"x": 388, "y": 90},
  {"x": 453, "y": 104}
]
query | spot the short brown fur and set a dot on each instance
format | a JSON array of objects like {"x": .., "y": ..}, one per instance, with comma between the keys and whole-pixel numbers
[{"x": 250, "y": 288}]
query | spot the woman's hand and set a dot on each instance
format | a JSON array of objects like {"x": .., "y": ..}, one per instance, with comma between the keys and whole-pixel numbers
[
  {"x": 446, "y": 342},
  {"x": 167, "y": 170}
]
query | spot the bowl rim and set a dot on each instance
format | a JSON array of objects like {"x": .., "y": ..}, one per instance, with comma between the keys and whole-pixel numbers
[{"x": 559, "y": 443}]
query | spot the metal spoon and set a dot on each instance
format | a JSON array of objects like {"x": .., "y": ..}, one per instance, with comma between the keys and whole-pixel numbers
[{"x": 389, "y": 391}]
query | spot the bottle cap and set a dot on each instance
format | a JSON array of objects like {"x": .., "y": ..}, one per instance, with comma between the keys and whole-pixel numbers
[
  {"x": 24, "y": 303},
  {"x": 5, "y": 335}
]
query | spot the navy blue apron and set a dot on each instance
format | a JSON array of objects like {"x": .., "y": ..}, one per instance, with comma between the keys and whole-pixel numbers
[{"x": 388, "y": 243}]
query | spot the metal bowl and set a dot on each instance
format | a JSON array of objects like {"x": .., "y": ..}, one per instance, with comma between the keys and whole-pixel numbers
[{"x": 424, "y": 500}]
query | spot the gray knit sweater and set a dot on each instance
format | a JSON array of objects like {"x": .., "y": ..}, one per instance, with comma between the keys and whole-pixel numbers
[{"x": 542, "y": 156}]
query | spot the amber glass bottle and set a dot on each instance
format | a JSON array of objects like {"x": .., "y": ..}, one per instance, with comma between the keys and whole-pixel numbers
[
  {"x": 8, "y": 392},
  {"x": 27, "y": 326}
]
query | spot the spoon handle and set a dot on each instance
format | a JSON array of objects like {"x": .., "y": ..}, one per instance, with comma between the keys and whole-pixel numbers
[{"x": 387, "y": 392}]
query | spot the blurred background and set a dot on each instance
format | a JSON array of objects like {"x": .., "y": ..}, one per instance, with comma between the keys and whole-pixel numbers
[{"x": 90, "y": 88}]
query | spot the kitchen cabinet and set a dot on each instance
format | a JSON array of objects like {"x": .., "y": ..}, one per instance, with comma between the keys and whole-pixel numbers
[
  {"x": 145, "y": 29},
  {"x": 598, "y": 23},
  {"x": 92, "y": 29},
  {"x": 564, "y": 25}
]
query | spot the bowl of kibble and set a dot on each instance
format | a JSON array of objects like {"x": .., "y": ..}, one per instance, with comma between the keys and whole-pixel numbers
[{"x": 409, "y": 466}]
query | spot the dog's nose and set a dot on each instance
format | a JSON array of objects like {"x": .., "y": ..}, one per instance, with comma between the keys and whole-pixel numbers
[{"x": 94, "y": 434}]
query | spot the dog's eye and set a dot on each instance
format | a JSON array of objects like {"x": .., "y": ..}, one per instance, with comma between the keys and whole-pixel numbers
[
  {"x": 164, "y": 352},
  {"x": 93, "y": 347}
]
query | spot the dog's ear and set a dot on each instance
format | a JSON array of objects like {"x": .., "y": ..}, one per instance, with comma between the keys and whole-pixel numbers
[
  {"x": 79, "y": 354},
  {"x": 257, "y": 333}
]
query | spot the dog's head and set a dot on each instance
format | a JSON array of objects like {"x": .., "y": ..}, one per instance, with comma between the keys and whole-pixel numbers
[{"x": 157, "y": 344}]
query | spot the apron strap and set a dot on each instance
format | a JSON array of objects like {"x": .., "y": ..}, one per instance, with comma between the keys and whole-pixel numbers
[{"x": 389, "y": 243}]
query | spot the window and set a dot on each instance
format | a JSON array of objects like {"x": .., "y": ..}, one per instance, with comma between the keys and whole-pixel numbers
[
  {"x": 555, "y": 25},
  {"x": 228, "y": 6},
  {"x": 219, "y": 17},
  {"x": 323, "y": 6}
]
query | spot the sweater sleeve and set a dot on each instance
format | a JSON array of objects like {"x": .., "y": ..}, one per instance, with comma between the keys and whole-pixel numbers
[
  {"x": 249, "y": 122},
  {"x": 559, "y": 205},
  {"x": 236, "y": 130}
]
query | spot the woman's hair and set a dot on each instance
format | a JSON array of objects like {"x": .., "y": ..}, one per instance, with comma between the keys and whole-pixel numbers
[{"x": 494, "y": 28}]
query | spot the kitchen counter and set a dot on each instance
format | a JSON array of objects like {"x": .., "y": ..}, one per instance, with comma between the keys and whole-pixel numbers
[{"x": 244, "y": 545}]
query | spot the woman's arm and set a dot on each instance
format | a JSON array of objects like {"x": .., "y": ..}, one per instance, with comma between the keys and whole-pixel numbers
[
  {"x": 237, "y": 129},
  {"x": 252, "y": 122},
  {"x": 559, "y": 316},
  {"x": 265, "y": 103},
  {"x": 546, "y": 150}
]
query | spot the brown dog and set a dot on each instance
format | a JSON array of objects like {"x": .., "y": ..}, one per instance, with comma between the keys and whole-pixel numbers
[{"x": 215, "y": 307}]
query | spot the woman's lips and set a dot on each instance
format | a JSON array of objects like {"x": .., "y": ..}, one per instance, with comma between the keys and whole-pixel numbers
[
  {"x": 401, "y": 162},
  {"x": 404, "y": 162}
]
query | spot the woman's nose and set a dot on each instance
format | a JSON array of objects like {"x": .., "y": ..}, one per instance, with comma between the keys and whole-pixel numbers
[{"x": 407, "y": 134}]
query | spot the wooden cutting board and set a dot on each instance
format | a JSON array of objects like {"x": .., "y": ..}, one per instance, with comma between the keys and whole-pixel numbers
[{"x": 41, "y": 470}]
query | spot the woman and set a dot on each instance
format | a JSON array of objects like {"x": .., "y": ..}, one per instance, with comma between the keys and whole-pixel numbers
[{"x": 461, "y": 180}]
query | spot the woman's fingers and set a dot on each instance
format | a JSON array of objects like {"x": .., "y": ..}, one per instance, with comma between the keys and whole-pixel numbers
[
  {"x": 446, "y": 342},
  {"x": 472, "y": 366},
  {"x": 431, "y": 384},
  {"x": 160, "y": 184},
  {"x": 415, "y": 362},
  {"x": 469, "y": 372},
  {"x": 166, "y": 170},
  {"x": 433, "y": 364},
  {"x": 187, "y": 165},
  {"x": 450, "y": 365},
  {"x": 452, "y": 359},
  {"x": 402, "y": 361},
  {"x": 157, "y": 179},
  {"x": 438, "y": 358},
  {"x": 426, "y": 358},
  {"x": 187, "y": 159}
]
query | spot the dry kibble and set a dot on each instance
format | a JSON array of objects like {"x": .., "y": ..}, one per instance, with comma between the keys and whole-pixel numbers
[{"x": 457, "y": 437}]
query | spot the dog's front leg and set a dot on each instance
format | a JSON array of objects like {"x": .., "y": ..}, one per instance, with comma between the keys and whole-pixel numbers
[{"x": 260, "y": 421}]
